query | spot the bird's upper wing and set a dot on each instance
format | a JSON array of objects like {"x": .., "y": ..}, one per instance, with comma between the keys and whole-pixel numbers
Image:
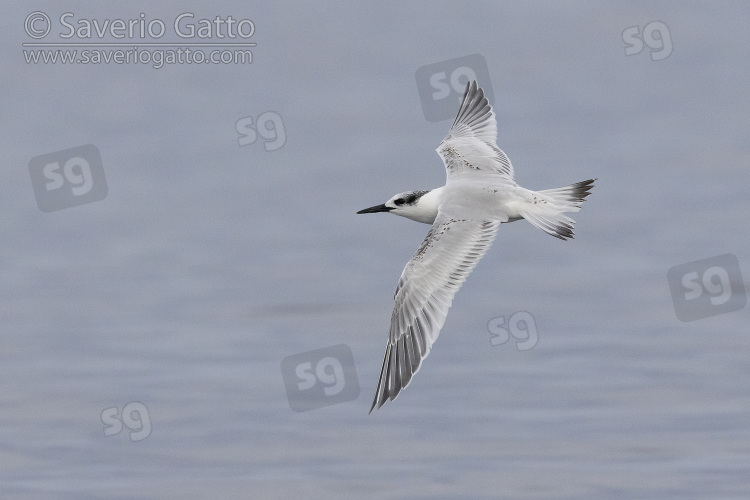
[
  {"x": 470, "y": 146},
  {"x": 425, "y": 291}
]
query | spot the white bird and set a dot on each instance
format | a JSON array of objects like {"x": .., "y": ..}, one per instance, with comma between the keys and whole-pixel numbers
[{"x": 479, "y": 195}]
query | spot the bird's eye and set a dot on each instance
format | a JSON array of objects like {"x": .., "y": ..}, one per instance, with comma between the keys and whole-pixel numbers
[{"x": 400, "y": 201}]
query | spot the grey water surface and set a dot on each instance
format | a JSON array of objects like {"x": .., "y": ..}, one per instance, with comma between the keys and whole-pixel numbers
[{"x": 142, "y": 333}]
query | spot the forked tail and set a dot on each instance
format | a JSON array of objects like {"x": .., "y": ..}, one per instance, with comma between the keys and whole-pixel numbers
[{"x": 549, "y": 215}]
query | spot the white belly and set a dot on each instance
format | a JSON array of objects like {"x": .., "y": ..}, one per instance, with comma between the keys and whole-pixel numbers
[{"x": 480, "y": 202}]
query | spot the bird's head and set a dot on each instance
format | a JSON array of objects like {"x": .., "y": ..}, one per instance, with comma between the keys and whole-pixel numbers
[{"x": 409, "y": 204}]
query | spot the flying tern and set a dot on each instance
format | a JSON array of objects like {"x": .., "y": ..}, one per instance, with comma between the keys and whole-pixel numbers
[{"x": 479, "y": 195}]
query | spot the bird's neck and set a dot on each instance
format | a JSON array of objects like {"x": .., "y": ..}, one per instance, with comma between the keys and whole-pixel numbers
[{"x": 426, "y": 208}]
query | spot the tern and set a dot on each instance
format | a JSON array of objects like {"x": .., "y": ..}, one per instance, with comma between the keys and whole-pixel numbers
[{"x": 479, "y": 195}]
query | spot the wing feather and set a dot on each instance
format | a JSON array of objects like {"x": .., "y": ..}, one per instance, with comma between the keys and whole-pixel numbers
[
  {"x": 470, "y": 145},
  {"x": 424, "y": 294}
]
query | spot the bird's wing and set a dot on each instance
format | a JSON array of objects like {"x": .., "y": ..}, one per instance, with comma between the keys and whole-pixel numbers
[
  {"x": 424, "y": 294},
  {"x": 471, "y": 143}
]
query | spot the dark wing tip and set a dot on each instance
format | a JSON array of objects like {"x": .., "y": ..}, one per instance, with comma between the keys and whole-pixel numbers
[
  {"x": 582, "y": 189},
  {"x": 473, "y": 98}
]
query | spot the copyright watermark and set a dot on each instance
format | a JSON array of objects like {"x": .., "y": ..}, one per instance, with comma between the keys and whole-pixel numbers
[
  {"x": 68, "y": 178},
  {"x": 183, "y": 39},
  {"x": 134, "y": 417},
  {"x": 268, "y": 125},
  {"x": 654, "y": 35},
  {"x": 319, "y": 378},
  {"x": 707, "y": 287},
  {"x": 38, "y": 25},
  {"x": 442, "y": 84},
  {"x": 520, "y": 326}
]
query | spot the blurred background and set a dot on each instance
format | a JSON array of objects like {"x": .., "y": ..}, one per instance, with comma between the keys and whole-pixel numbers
[{"x": 145, "y": 321}]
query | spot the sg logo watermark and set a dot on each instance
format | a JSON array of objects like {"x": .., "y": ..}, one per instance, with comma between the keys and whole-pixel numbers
[
  {"x": 655, "y": 36},
  {"x": 134, "y": 416},
  {"x": 68, "y": 178},
  {"x": 269, "y": 126},
  {"x": 707, "y": 287},
  {"x": 521, "y": 326},
  {"x": 441, "y": 85},
  {"x": 319, "y": 378}
]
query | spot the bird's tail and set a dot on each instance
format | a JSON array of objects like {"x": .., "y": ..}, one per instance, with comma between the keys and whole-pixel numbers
[{"x": 549, "y": 215}]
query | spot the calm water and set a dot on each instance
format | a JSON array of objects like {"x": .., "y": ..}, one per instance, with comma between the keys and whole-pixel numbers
[{"x": 179, "y": 294}]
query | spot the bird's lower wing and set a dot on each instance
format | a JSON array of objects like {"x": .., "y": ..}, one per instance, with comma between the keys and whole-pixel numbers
[{"x": 424, "y": 294}]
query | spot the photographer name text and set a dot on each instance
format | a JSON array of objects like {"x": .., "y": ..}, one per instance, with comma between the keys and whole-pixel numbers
[{"x": 185, "y": 26}]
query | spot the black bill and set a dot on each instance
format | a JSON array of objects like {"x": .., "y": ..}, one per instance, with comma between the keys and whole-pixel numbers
[{"x": 375, "y": 209}]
